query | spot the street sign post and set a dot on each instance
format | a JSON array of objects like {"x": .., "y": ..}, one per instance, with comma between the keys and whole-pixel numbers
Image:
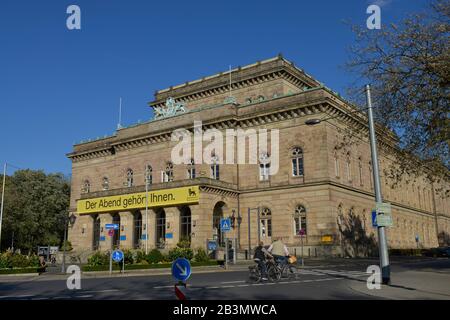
[
  {"x": 225, "y": 224},
  {"x": 181, "y": 270},
  {"x": 117, "y": 256},
  {"x": 114, "y": 226}
]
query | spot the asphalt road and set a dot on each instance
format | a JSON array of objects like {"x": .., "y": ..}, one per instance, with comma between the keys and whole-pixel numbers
[{"x": 326, "y": 281}]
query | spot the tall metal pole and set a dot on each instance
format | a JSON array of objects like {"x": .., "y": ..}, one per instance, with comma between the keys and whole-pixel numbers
[
  {"x": 63, "y": 266},
  {"x": 249, "y": 236},
  {"x": 382, "y": 242},
  {"x": 146, "y": 211},
  {"x": 3, "y": 200}
]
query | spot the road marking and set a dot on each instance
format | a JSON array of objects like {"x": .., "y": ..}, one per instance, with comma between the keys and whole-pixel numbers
[
  {"x": 227, "y": 286},
  {"x": 226, "y": 282},
  {"x": 84, "y": 296},
  {"x": 19, "y": 296},
  {"x": 100, "y": 291},
  {"x": 161, "y": 287}
]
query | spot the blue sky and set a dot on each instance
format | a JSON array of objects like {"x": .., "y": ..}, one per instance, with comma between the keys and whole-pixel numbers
[{"x": 58, "y": 87}]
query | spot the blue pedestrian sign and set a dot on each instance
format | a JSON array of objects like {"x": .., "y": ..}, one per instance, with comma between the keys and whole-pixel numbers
[
  {"x": 212, "y": 245},
  {"x": 117, "y": 255},
  {"x": 181, "y": 269},
  {"x": 114, "y": 226},
  {"x": 374, "y": 219},
  {"x": 225, "y": 224}
]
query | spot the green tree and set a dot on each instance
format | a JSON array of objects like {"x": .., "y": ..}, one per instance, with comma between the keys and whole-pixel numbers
[{"x": 35, "y": 207}]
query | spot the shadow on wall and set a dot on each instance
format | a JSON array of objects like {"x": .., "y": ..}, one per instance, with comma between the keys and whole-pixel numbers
[
  {"x": 444, "y": 239},
  {"x": 355, "y": 241}
]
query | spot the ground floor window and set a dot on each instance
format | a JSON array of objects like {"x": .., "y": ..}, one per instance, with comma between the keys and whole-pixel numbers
[
  {"x": 96, "y": 233},
  {"x": 137, "y": 234},
  {"x": 300, "y": 220},
  {"x": 161, "y": 228},
  {"x": 185, "y": 224}
]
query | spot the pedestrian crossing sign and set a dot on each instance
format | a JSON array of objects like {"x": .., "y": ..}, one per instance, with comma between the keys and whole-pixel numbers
[{"x": 225, "y": 224}]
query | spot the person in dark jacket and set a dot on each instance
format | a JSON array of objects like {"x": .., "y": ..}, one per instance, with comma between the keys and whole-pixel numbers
[{"x": 261, "y": 253}]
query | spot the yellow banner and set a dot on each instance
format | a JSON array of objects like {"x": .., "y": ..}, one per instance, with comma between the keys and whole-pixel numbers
[{"x": 125, "y": 202}]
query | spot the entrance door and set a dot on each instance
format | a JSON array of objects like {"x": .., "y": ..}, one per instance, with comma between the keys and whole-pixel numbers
[{"x": 115, "y": 243}]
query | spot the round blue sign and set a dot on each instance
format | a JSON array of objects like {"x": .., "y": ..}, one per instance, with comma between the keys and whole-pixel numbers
[
  {"x": 117, "y": 255},
  {"x": 181, "y": 269}
]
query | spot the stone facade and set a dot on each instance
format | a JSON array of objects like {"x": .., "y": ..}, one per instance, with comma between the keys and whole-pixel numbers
[{"x": 333, "y": 177}]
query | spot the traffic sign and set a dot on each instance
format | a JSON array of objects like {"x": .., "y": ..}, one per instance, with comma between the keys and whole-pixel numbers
[
  {"x": 212, "y": 245},
  {"x": 225, "y": 224},
  {"x": 111, "y": 232},
  {"x": 384, "y": 207},
  {"x": 301, "y": 232},
  {"x": 384, "y": 220},
  {"x": 114, "y": 226},
  {"x": 374, "y": 218},
  {"x": 181, "y": 269},
  {"x": 180, "y": 291},
  {"x": 117, "y": 255}
]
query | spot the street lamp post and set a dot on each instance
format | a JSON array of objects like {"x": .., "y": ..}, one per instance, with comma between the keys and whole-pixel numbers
[
  {"x": 71, "y": 221},
  {"x": 3, "y": 200},
  {"x": 249, "y": 229},
  {"x": 383, "y": 249}
]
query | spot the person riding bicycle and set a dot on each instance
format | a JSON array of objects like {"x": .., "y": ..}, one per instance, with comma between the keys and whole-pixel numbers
[
  {"x": 261, "y": 253},
  {"x": 279, "y": 251}
]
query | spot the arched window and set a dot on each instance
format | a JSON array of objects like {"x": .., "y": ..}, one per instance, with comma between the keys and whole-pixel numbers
[
  {"x": 265, "y": 222},
  {"x": 264, "y": 166},
  {"x": 148, "y": 175},
  {"x": 215, "y": 167},
  {"x": 86, "y": 187},
  {"x": 297, "y": 162},
  {"x": 160, "y": 228},
  {"x": 300, "y": 220},
  {"x": 167, "y": 174},
  {"x": 137, "y": 234},
  {"x": 105, "y": 183},
  {"x": 371, "y": 175},
  {"x": 129, "y": 178},
  {"x": 191, "y": 169},
  {"x": 185, "y": 224}
]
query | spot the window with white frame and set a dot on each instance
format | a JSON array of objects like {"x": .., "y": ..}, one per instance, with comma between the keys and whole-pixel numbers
[
  {"x": 86, "y": 187},
  {"x": 297, "y": 162},
  {"x": 148, "y": 175},
  {"x": 215, "y": 167},
  {"x": 264, "y": 166},
  {"x": 167, "y": 174},
  {"x": 105, "y": 183},
  {"x": 191, "y": 169},
  {"x": 265, "y": 223},
  {"x": 300, "y": 220},
  {"x": 129, "y": 178}
]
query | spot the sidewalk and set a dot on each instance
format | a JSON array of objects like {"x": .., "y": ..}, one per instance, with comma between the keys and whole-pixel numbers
[
  {"x": 241, "y": 266},
  {"x": 409, "y": 285}
]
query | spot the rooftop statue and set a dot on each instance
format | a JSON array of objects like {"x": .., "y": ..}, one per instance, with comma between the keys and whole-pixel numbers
[{"x": 171, "y": 108}]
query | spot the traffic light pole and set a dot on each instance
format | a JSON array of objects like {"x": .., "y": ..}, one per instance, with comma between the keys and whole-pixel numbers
[{"x": 382, "y": 242}]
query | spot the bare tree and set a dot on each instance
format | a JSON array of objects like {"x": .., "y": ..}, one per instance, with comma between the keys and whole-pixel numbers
[{"x": 408, "y": 66}]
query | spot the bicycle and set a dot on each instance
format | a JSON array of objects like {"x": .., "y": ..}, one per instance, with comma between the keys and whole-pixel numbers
[
  {"x": 287, "y": 270},
  {"x": 273, "y": 272}
]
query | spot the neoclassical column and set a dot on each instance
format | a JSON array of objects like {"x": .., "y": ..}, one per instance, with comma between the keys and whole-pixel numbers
[
  {"x": 127, "y": 230},
  {"x": 148, "y": 227},
  {"x": 105, "y": 239},
  {"x": 172, "y": 226}
]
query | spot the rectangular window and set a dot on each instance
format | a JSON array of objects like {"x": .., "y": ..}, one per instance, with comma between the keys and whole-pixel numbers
[
  {"x": 264, "y": 172},
  {"x": 215, "y": 171}
]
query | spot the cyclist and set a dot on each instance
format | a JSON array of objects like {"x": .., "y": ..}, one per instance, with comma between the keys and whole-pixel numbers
[
  {"x": 261, "y": 253},
  {"x": 279, "y": 251}
]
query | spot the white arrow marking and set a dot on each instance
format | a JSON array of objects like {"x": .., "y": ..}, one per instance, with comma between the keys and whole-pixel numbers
[{"x": 183, "y": 271}]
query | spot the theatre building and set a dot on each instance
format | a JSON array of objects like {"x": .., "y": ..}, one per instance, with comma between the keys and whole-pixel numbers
[{"x": 324, "y": 175}]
